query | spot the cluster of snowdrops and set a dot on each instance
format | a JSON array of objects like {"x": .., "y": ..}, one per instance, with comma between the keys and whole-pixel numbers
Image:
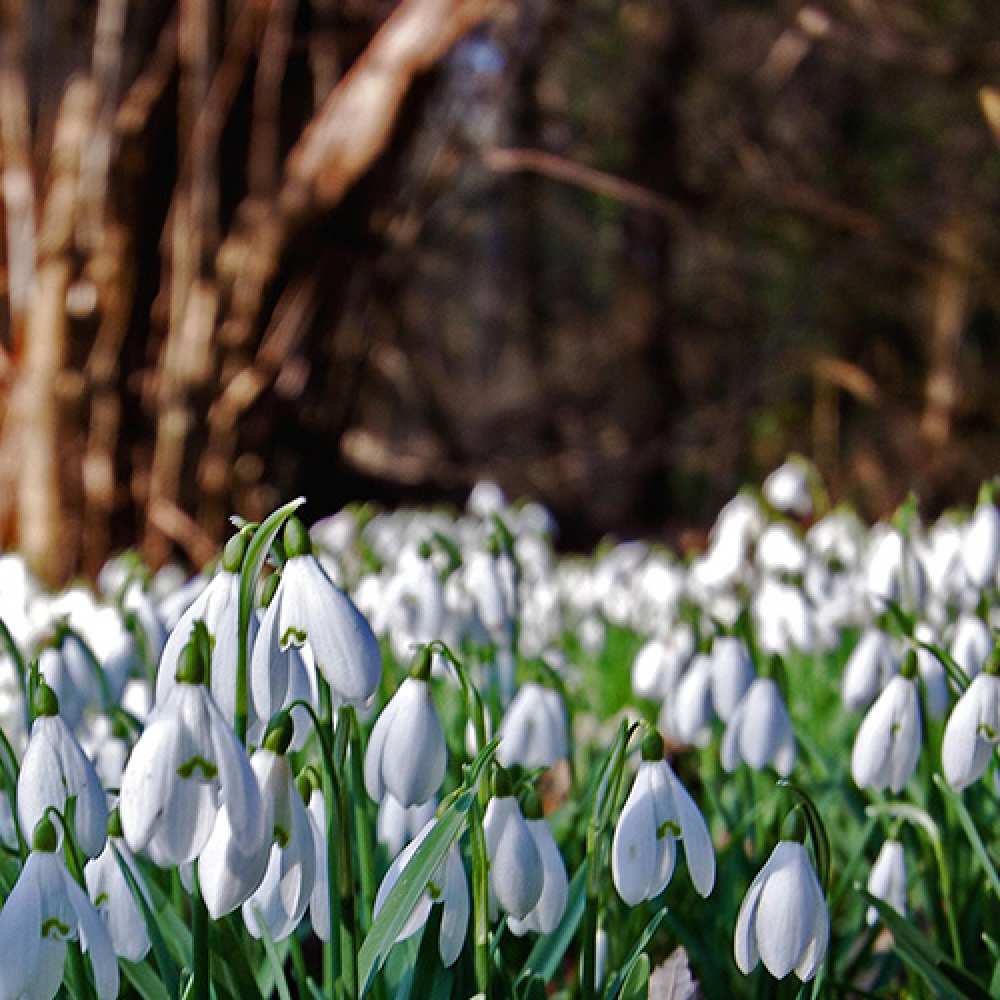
[{"x": 420, "y": 753}]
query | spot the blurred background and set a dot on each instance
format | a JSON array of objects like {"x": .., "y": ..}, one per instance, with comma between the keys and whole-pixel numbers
[{"x": 620, "y": 256}]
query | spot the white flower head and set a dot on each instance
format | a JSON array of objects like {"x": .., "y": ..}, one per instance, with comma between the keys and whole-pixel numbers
[
  {"x": 659, "y": 812},
  {"x": 887, "y": 880},
  {"x": 887, "y": 745},
  {"x": 973, "y": 729},
  {"x": 868, "y": 669},
  {"x": 534, "y": 730},
  {"x": 55, "y": 769},
  {"x": 981, "y": 545},
  {"x": 517, "y": 875},
  {"x": 186, "y": 764},
  {"x": 309, "y": 609},
  {"x": 406, "y": 753},
  {"x": 548, "y": 911},
  {"x": 45, "y": 909},
  {"x": 732, "y": 674},
  {"x": 783, "y": 920},
  {"x": 447, "y": 887},
  {"x": 760, "y": 731},
  {"x": 110, "y": 892}
]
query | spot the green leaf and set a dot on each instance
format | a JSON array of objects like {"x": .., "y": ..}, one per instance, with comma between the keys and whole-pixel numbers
[
  {"x": 411, "y": 884},
  {"x": 146, "y": 982},
  {"x": 957, "y": 675},
  {"x": 817, "y": 832},
  {"x": 637, "y": 985},
  {"x": 971, "y": 833},
  {"x": 921, "y": 955},
  {"x": 253, "y": 560},
  {"x": 429, "y": 979},
  {"x": 546, "y": 956},
  {"x": 624, "y": 974},
  {"x": 169, "y": 973},
  {"x": 277, "y": 965}
]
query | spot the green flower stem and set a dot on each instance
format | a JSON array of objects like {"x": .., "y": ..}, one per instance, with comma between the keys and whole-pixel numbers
[
  {"x": 480, "y": 900},
  {"x": 350, "y": 938},
  {"x": 362, "y": 826},
  {"x": 200, "y": 955},
  {"x": 324, "y": 730},
  {"x": 588, "y": 988}
]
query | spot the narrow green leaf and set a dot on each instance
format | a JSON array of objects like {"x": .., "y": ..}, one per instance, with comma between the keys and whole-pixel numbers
[
  {"x": 412, "y": 882},
  {"x": 637, "y": 985},
  {"x": 546, "y": 956},
  {"x": 957, "y": 675},
  {"x": 922, "y": 956},
  {"x": 277, "y": 965},
  {"x": 624, "y": 973},
  {"x": 145, "y": 981},
  {"x": 169, "y": 973},
  {"x": 971, "y": 833}
]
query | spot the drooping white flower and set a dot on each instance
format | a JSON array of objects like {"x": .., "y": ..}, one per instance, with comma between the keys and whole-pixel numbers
[
  {"x": 551, "y": 905},
  {"x": 45, "y": 909},
  {"x": 54, "y": 769},
  {"x": 780, "y": 551},
  {"x": 686, "y": 716},
  {"x": 109, "y": 891},
  {"x": 218, "y": 607},
  {"x": 783, "y": 619},
  {"x": 732, "y": 674},
  {"x": 282, "y": 897},
  {"x": 658, "y": 812},
  {"x": 932, "y": 673},
  {"x": 516, "y": 872},
  {"x": 868, "y": 669},
  {"x": 319, "y": 902},
  {"x": 787, "y": 488},
  {"x": 887, "y": 880},
  {"x": 308, "y": 609},
  {"x": 534, "y": 730},
  {"x": 981, "y": 545},
  {"x": 972, "y": 731},
  {"x": 447, "y": 887},
  {"x": 760, "y": 731},
  {"x": 783, "y": 920},
  {"x": 406, "y": 754},
  {"x": 887, "y": 745},
  {"x": 186, "y": 764},
  {"x": 893, "y": 573},
  {"x": 971, "y": 643}
]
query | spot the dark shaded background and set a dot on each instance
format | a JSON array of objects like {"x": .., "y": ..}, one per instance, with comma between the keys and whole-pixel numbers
[{"x": 618, "y": 256}]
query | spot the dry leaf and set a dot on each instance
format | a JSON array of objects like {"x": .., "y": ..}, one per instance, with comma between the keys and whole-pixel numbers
[{"x": 672, "y": 980}]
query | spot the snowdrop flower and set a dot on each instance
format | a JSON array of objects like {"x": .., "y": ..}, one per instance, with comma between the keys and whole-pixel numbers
[
  {"x": 397, "y": 824},
  {"x": 687, "y": 716},
  {"x": 534, "y": 731},
  {"x": 732, "y": 674},
  {"x": 783, "y": 919},
  {"x": 218, "y": 607},
  {"x": 887, "y": 880},
  {"x": 551, "y": 905},
  {"x": 787, "y": 488},
  {"x": 973, "y": 729},
  {"x": 780, "y": 551},
  {"x": 110, "y": 893},
  {"x": 406, "y": 754},
  {"x": 319, "y": 903},
  {"x": 414, "y": 604},
  {"x": 782, "y": 617},
  {"x": 868, "y": 669},
  {"x": 45, "y": 909},
  {"x": 932, "y": 674},
  {"x": 285, "y": 892},
  {"x": 971, "y": 643},
  {"x": 517, "y": 875},
  {"x": 981, "y": 545},
  {"x": 54, "y": 769},
  {"x": 654, "y": 670},
  {"x": 308, "y": 609},
  {"x": 760, "y": 731},
  {"x": 657, "y": 813},
  {"x": 893, "y": 574},
  {"x": 186, "y": 764},
  {"x": 448, "y": 887},
  {"x": 887, "y": 746}
]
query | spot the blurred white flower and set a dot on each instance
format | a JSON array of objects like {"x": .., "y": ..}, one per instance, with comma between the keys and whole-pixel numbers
[
  {"x": 887, "y": 745},
  {"x": 760, "y": 731},
  {"x": 887, "y": 880}
]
